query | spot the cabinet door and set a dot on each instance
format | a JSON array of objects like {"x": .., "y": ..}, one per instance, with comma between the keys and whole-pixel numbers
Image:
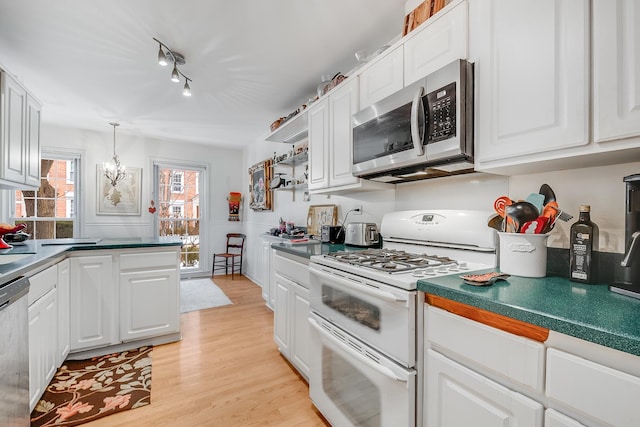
[
  {"x": 149, "y": 303},
  {"x": 553, "y": 418},
  {"x": 93, "y": 312},
  {"x": 342, "y": 104},
  {"x": 616, "y": 69},
  {"x": 440, "y": 42},
  {"x": 319, "y": 145},
  {"x": 300, "y": 329},
  {"x": 532, "y": 78},
  {"x": 458, "y": 396},
  {"x": 63, "y": 311},
  {"x": 265, "y": 267},
  {"x": 43, "y": 330},
  {"x": 603, "y": 393},
  {"x": 281, "y": 314},
  {"x": 13, "y": 130},
  {"x": 383, "y": 78},
  {"x": 272, "y": 280},
  {"x": 32, "y": 147}
]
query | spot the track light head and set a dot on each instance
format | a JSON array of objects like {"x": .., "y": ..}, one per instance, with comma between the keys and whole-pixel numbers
[
  {"x": 175, "y": 77},
  {"x": 187, "y": 90},
  {"x": 162, "y": 58}
]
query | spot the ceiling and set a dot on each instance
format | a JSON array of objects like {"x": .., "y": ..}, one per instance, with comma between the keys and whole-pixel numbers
[{"x": 91, "y": 62}]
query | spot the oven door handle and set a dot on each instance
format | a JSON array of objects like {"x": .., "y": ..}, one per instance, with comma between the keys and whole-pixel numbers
[
  {"x": 377, "y": 293},
  {"x": 383, "y": 370}
]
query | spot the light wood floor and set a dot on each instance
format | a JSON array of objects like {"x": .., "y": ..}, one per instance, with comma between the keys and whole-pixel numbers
[{"x": 226, "y": 371}]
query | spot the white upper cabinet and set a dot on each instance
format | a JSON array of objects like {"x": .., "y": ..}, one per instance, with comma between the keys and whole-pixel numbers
[
  {"x": 319, "y": 145},
  {"x": 382, "y": 78},
  {"x": 342, "y": 104},
  {"x": 616, "y": 69},
  {"x": 532, "y": 78},
  {"x": 439, "y": 41},
  {"x": 19, "y": 135}
]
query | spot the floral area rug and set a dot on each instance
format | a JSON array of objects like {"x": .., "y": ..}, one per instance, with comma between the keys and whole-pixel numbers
[{"x": 85, "y": 390}]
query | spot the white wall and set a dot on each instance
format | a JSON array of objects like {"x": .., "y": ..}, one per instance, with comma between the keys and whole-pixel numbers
[{"x": 223, "y": 170}]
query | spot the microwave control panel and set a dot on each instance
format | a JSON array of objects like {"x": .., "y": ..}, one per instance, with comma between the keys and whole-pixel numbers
[{"x": 441, "y": 113}]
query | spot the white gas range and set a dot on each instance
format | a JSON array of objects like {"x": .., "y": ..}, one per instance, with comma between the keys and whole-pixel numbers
[{"x": 365, "y": 314}]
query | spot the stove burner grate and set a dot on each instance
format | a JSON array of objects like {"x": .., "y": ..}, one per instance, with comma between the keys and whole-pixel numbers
[{"x": 390, "y": 260}]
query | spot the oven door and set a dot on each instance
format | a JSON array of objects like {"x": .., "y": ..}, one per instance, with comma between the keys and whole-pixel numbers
[
  {"x": 353, "y": 385},
  {"x": 383, "y": 316}
]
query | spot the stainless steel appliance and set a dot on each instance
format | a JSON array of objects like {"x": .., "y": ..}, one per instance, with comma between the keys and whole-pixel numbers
[
  {"x": 362, "y": 234},
  {"x": 630, "y": 282},
  {"x": 332, "y": 234},
  {"x": 422, "y": 131},
  {"x": 14, "y": 351},
  {"x": 366, "y": 313}
]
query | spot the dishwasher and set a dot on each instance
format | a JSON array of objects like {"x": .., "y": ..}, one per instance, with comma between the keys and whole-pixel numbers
[{"x": 14, "y": 353}]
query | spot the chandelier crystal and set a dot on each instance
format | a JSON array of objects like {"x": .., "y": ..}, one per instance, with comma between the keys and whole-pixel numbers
[{"x": 114, "y": 171}]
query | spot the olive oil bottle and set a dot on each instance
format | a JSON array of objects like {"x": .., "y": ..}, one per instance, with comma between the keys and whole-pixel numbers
[{"x": 584, "y": 241}]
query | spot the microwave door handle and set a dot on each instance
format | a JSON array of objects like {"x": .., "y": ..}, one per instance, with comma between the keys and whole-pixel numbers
[
  {"x": 417, "y": 110},
  {"x": 352, "y": 353}
]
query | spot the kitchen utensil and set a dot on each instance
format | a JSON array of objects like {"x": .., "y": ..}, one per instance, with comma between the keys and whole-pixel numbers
[
  {"x": 536, "y": 200},
  {"x": 521, "y": 212},
  {"x": 536, "y": 226},
  {"x": 500, "y": 206},
  {"x": 496, "y": 222},
  {"x": 564, "y": 215},
  {"x": 547, "y": 192},
  {"x": 484, "y": 279},
  {"x": 277, "y": 181}
]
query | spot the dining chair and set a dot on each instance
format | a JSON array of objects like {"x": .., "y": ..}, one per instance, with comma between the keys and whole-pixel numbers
[{"x": 229, "y": 258}]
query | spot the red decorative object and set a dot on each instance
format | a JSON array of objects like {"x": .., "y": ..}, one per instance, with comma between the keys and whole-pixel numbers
[
  {"x": 152, "y": 208},
  {"x": 4, "y": 229}
]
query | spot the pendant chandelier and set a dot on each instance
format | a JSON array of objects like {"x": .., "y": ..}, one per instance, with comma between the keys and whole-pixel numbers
[{"x": 114, "y": 171}]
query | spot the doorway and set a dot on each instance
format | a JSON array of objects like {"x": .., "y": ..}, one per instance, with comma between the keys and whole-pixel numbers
[{"x": 180, "y": 210}]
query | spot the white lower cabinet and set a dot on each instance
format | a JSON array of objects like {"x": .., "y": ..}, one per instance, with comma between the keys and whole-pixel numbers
[
  {"x": 119, "y": 296},
  {"x": 149, "y": 295},
  {"x": 42, "y": 345},
  {"x": 603, "y": 395},
  {"x": 93, "y": 302},
  {"x": 553, "y": 418},
  {"x": 291, "y": 311},
  {"x": 266, "y": 276},
  {"x": 63, "y": 311},
  {"x": 43, "y": 331},
  {"x": 457, "y": 396}
]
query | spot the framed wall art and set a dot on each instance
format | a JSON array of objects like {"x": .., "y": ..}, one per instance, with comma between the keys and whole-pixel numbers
[
  {"x": 260, "y": 197},
  {"x": 123, "y": 199}
]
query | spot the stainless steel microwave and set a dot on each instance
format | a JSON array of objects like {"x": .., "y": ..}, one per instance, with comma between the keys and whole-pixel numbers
[{"x": 423, "y": 131}]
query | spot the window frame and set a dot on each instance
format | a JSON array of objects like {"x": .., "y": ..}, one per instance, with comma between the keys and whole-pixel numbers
[{"x": 77, "y": 218}]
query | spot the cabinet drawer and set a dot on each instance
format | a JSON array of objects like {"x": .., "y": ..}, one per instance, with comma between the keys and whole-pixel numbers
[
  {"x": 292, "y": 270},
  {"x": 42, "y": 283},
  {"x": 604, "y": 393},
  {"x": 510, "y": 356},
  {"x": 149, "y": 260}
]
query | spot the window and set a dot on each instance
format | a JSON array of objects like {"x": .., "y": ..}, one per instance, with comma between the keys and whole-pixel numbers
[
  {"x": 71, "y": 171},
  {"x": 176, "y": 211},
  {"x": 50, "y": 212},
  {"x": 176, "y": 182}
]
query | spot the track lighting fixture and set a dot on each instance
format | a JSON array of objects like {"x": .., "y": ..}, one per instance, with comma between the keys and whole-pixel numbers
[{"x": 165, "y": 57}]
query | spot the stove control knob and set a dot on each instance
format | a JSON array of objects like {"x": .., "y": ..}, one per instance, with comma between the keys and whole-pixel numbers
[
  {"x": 443, "y": 269},
  {"x": 430, "y": 271},
  {"x": 418, "y": 273},
  {"x": 462, "y": 265}
]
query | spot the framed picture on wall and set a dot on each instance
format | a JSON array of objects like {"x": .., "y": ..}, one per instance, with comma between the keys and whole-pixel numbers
[
  {"x": 259, "y": 189},
  {"x": 123, "y": 199}
]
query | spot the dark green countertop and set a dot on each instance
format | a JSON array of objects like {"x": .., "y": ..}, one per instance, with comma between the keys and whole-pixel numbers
[
  {"x": 306, "y": 250},
  {"x": 40, "y": 254},
  {"x": 589, "y": 312}
]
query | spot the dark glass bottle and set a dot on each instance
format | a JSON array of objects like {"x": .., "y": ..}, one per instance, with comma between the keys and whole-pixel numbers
[{"x": 583, "y": 242}]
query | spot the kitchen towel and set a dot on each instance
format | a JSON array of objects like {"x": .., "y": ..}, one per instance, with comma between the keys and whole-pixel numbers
[{"x": 198, "y": 294}]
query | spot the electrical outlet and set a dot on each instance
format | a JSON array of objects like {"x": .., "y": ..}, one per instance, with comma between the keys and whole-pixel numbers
[{"x": 357, "y": 210}]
